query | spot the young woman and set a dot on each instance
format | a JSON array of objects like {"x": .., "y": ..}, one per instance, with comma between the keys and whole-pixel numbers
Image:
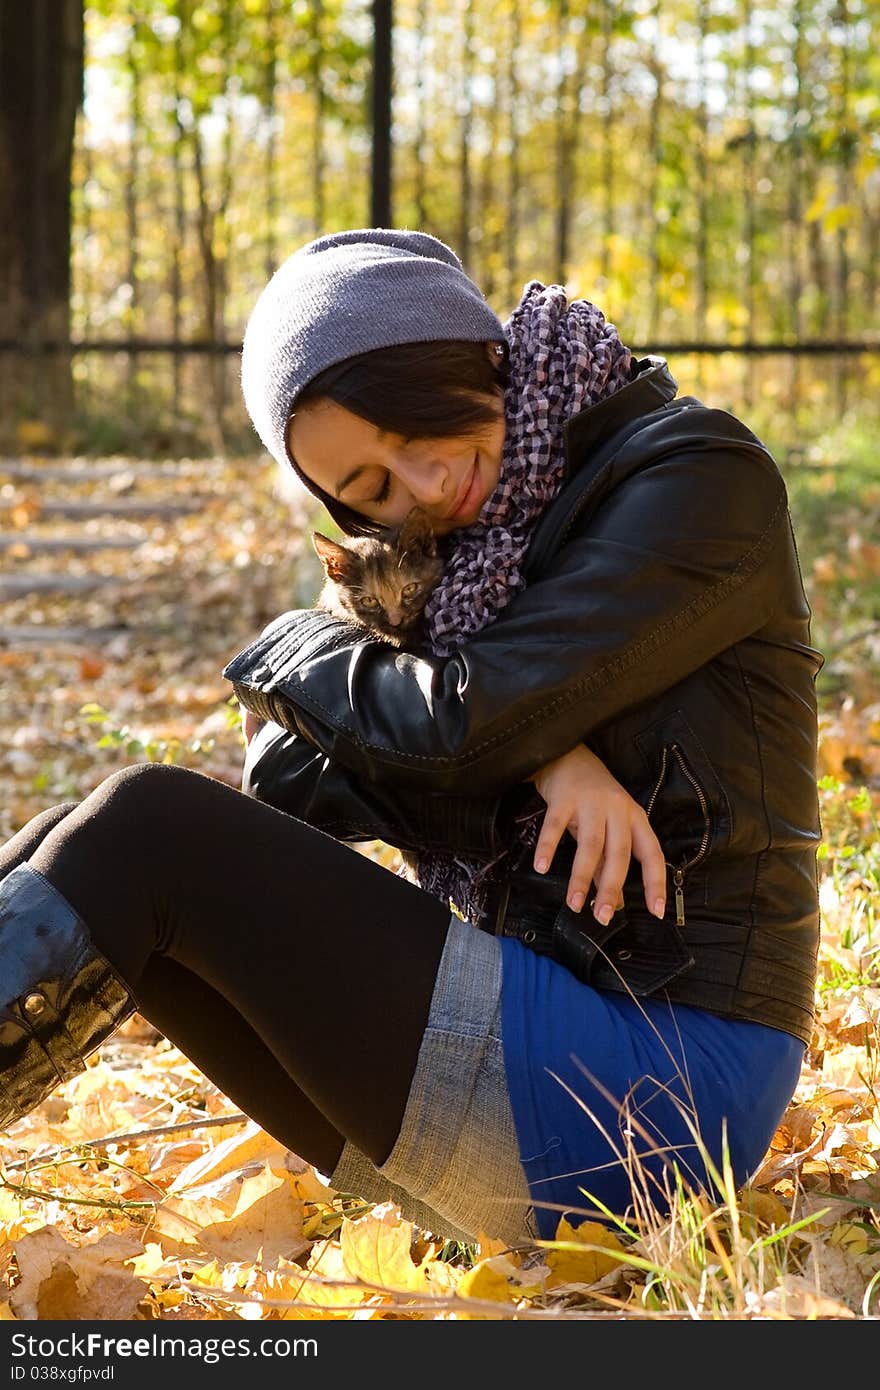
[{"x": 602, "y": 759}]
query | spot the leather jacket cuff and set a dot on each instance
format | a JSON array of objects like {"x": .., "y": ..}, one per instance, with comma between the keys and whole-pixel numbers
[
  {"x": 286, "y": 772},
  {"x": 289, "y": 642}
]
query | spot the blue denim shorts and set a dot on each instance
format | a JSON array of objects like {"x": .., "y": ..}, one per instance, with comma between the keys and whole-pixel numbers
[{"x": 455, "y": 1167}]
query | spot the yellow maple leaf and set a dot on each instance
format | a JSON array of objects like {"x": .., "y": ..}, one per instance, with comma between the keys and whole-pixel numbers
[
  {"x": 238, "y": 1151},
  {"x": 850, "y": 1236},
  {"x": 764, "y": 1207},
  {"x": 325, "y": 1284},
  {"x": 489, "y": 1245},
  {"x": 376, "y": 1249},
  {"x": 15, "y": 1218},
  {"x": 210, "y": 1275},
  {"x": 170, "y": 1298},
  {"x": 152, "y": 1263},
  {"x": 63, "y": 1282},
  {"x": 499, "y": 1279},
  {"x": 489, "y": 1283},
  {"x": 266, "y": 1222},
  {"x": 583, "y": 1260}
]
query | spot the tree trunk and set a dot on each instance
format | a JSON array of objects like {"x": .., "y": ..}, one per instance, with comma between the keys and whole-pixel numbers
[
  {"x": 41, "y": 83},
  {"x": 381, "y": 88}
]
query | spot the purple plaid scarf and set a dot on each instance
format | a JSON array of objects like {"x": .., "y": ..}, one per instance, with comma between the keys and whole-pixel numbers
[{"x": 563, "y": 357}]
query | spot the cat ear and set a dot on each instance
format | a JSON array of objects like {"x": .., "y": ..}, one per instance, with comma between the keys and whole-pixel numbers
[
  {"x": 416, "y": 534},
  {"x": 334, "y": 557}
]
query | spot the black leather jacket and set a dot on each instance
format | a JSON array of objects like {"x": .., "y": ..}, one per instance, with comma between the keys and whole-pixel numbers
[{"x": 665, "y": 625}]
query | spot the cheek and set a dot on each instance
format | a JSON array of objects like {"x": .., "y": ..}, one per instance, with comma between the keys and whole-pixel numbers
[{"x": 492, "y": 451}]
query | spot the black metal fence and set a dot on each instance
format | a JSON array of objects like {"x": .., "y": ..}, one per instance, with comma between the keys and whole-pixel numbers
[{"x": 707, "y": 171}]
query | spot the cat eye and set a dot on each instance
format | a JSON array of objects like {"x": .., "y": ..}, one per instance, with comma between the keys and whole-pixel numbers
[
  {"x": 409, "y": 589},
  {"x": 368, "y": 601}
]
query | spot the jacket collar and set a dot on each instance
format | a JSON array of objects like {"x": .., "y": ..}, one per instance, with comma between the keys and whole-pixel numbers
[{"x": 653, "y": 386}]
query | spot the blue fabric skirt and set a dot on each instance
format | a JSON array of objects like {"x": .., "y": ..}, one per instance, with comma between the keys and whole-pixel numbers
[{"x": 617, "y": 1100}]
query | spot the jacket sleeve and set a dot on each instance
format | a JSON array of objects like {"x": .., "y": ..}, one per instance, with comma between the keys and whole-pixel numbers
[
  {"x": 684, "y": 557},
  {"x": 285, "y": 771}
]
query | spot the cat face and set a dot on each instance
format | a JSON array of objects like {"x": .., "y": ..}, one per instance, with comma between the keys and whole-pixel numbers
[{"x": 382, "y": 584}]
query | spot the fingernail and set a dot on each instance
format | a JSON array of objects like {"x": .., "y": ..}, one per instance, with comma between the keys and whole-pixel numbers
[
  {"x": 659, "y": 908},
  {"x": 605, "y": 913},
  {"x": 576, "y": 901},
  {"x": 541, "y": 866}
]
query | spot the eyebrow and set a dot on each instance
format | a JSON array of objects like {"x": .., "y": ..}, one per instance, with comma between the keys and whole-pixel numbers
[
  {"x": 349, "y": 478},
  {"x": 361, "y": 468}
]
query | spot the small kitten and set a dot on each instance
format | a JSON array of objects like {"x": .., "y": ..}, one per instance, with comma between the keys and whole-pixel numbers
[{"x": 382, "y": 584}]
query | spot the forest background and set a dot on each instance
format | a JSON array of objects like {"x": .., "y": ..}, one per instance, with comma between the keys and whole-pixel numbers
[{"x": 708, "y": 172}]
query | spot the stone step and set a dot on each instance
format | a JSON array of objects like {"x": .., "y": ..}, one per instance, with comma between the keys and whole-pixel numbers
[
  {"x": 20, "y": 585},
  {"x": 87, "y": 510},
  {"x": 44, "y": 545},
  {"x": 80, "y": 635},
  {"x": 100, "y": 472}
]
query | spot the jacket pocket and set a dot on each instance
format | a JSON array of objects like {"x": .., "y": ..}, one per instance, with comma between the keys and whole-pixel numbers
[
  {"x": 637, "y": 957},
  {"x": 685, "y": 801}
]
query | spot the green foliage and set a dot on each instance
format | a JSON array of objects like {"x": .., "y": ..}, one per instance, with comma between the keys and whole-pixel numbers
[
  {"x": 154, "y": 750},
  {"x": 849, "y": 863},
  {"x": 834, "y": 497},
  {"x": 709, "y": 157}
]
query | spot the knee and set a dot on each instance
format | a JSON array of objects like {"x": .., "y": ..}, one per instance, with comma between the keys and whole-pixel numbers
[{"x": 142, "y": 791}]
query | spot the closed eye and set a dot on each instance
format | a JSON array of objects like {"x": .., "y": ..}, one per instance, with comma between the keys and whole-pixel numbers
[
  {"x": 385, "y": 489},
  {"x": 382, "y": 494}
]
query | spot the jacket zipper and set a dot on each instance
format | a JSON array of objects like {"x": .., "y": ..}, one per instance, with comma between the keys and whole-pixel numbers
[{"x": 678, "y": 871}]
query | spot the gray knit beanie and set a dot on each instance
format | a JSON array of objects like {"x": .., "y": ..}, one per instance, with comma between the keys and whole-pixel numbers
[{"x": 347, "y": 293}]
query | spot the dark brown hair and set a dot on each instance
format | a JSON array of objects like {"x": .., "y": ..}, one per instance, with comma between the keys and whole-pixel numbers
[{"x": 434, "y": 390}]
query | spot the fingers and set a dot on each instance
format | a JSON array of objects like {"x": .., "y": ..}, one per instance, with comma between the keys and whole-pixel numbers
[
  {"x": 596, "y": 876},
  {"x": 647, "y": 849},
  {"x": 609, "y": 885},
  {"x": 587, "y": 857},
  {"x": 603, "y": 854},
  {"x": 553, "y": 828}
]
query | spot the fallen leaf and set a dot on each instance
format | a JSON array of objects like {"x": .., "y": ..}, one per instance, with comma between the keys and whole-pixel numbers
[
  {"x": 91, "y": 667},
  {"x": 249, "y": 1145},
  {"x": 488, "y": 1283},
  {"x": 265, "y": 1223},
  {"x": 64, "y": 1282},
  {"x": 325, "y": 1283},
  {"x": 794, "y": 1297},
  {"x": 765, "y": 1208},
  {"x": 584, "y": 1260},
  {"x": 376, "y": 1249}
]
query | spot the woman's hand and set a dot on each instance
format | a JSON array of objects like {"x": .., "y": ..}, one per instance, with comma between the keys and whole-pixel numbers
[{"x": 609, "y": 827}]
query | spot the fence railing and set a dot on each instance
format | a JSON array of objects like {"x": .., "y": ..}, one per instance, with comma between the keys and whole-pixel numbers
[{"x": 707, "y": 171}]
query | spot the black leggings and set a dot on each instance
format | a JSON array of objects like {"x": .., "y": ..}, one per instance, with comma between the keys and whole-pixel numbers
[{"x": 292, "y": 970}]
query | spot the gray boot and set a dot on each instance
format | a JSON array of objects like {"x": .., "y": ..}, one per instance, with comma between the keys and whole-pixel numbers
[{"x": 59, "y": 997}]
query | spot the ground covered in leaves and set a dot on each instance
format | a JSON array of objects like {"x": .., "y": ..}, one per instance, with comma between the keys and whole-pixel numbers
[{"x": 138, "y": 1191}]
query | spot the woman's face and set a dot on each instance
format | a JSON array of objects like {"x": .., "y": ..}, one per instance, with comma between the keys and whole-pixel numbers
[{"x": 383, "y": 476}]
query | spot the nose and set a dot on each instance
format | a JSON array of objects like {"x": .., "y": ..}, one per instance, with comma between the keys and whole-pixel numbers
[{"x": 427, "y": 479}]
